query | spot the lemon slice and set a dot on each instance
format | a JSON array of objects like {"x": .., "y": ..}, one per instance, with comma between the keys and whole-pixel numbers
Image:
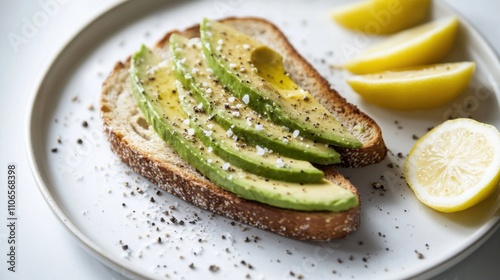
[
  {"x": 381, "y": 16},
  {"x": 455, "y": 166},
  {"x": 424, "y": 44},
  {"x": 414, "y": 88}
]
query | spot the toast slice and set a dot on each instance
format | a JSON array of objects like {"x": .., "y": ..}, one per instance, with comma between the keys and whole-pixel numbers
[{"x": 138, "y": 145}]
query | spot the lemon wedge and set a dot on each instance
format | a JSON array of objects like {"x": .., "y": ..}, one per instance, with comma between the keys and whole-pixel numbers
[
  {"x": 420, "y": 87},
  {"x": 381, "y": 16},
  {"x": 455, "y": 165},
  {"x": 424, "y": 44}
]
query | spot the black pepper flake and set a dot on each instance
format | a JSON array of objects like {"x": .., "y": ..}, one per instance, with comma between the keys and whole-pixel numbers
[
  {"x": 181, "y": 222},
  {"x": 54, "y": 150},
  {"x": 191, "y": 265},
  {"x": 173, "y": 220},
  {"x": 419, "y": 255},
  {"x": 152, "y": 200},
  {"x": 378, "y": 185},
  {"x": 247, "y": 239},
  {"x": 159, "y": 239},
  {"x": 123, "y": 204},
  {"x": 79, "y": 141},
  {"x": 125, "y": 247},
  {"x": 158, "y": 193},
  {"x": 162, "y": 220},
  {"x": 85, "y": 124},
  {"x": 213, "y": 268},
  {"x": 414, "y": 137}
]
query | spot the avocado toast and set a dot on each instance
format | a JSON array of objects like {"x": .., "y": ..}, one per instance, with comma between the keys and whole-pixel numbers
[{"x": 138, "y": 145}]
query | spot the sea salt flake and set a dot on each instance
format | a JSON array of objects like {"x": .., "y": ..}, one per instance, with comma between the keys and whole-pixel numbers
[
  {"x": 260, "y": 151},
  {"x": 246, "y": 99},
  {"x": 226, "y": 166}
]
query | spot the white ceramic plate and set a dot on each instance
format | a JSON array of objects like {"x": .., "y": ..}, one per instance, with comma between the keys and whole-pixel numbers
[{"x": 110, "y": 210}]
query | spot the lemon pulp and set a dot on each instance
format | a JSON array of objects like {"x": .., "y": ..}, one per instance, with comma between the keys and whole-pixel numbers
[
  {"x": 424, "y": 44},
  {"x": 420, "y": 87},
  {"x": 381, "y": 16},
  {"x": 455, "y": 166}
]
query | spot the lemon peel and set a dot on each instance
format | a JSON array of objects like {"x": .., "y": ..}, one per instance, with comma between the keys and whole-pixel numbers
[
  {"x": 381, "y": 16},
  {"x": 415, "y": 88},
  {"x": 455, "y": 166},
  {"x": 424, "y": 44}
]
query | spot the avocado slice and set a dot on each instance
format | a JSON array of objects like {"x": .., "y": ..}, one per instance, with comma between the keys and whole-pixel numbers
[
  {"x": 154, "y": 89},
  {"x": 231, "y": 148},
  {"x": 255, "y": 74},
  {"x": 191, "y": 70}
]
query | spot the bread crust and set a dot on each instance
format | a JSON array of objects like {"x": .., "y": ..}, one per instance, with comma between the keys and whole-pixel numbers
[{"x": 166, "y": 169}]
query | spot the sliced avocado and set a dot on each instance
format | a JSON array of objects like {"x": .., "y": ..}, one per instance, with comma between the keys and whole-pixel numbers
[
  {"x": 230, "y": 112},
  {"x": 229, "y": 147},
  {"x": 255, "y": 74},
  {"x": 154, "y": 89}
]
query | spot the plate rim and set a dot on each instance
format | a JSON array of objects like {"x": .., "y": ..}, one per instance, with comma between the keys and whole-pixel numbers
[
  {"x": 86, "y": 243},
  {"x": 119, "y": 265}
]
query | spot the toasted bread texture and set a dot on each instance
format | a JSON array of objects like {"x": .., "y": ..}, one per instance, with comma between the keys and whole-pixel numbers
[{"x": 138, "y": 145}]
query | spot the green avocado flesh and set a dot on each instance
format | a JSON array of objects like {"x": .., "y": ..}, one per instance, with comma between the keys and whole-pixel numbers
[
  {"x": 231, "y": 112},
  {"x": 254, "y": 72},
  {"x": 154, "y": 88},
  {"x": 228, "y": 146}
]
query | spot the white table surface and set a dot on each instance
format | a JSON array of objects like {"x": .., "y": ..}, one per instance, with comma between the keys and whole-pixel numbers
[{"x": 46, "y": 250}]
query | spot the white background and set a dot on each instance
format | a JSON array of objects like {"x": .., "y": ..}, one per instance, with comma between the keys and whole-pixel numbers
[{"x": 45, "y": 249}]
